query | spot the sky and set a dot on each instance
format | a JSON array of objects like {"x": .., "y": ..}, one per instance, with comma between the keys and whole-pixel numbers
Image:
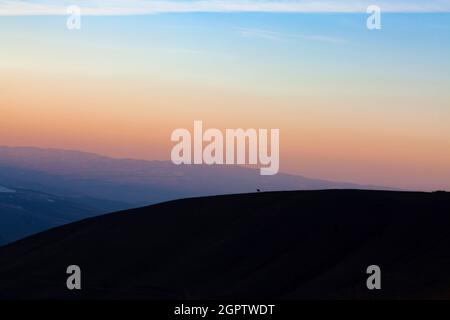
[{"x": 352, "y": 104}]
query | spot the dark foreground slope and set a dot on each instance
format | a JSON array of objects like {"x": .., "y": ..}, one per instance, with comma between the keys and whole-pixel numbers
[{"x": 305, "y": 244}]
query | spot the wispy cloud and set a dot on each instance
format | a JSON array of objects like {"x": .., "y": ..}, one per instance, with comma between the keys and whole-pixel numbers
[
  {"x": 258, "y": 33},
  {"x": 133, "y": 7},
  {"x": 274, "y": 35}
]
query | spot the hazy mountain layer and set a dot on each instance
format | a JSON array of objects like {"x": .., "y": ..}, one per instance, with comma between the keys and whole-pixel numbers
[
  {"x": 73, "y": 173},
  {"x": 25, "y": 212}
]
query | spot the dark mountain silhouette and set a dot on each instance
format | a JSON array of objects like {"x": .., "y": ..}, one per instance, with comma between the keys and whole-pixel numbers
[{"x": 292, "y": 245}]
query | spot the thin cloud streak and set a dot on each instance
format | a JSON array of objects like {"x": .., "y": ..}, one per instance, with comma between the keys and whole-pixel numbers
[
  {"x": 273, "y": 35},
  {"x": 258, "y": 33},
  {"x": 134, "y": 7},
  {"x": 321, "y": 38}
]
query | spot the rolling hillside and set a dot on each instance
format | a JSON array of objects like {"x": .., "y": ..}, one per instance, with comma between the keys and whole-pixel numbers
[{"x": 283, "y": 245}]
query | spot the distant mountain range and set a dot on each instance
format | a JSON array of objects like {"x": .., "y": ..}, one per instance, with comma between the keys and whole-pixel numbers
[
  {"x": 277, "y": 245},
  {"x": 52, "y": 187},
  {"x": 74, "y": 173},
  {"x": 24, "y": 212}
]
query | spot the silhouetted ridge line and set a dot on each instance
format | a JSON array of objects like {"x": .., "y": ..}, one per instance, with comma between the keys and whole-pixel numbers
[{"x": 299, "y": 244}]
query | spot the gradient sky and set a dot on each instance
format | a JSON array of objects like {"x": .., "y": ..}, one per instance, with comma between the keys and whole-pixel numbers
[{"x": 351, "y": 104}]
